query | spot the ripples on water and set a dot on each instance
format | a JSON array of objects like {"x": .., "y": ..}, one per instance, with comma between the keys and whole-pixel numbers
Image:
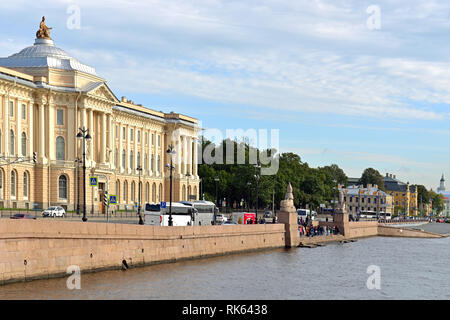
[{"x": 410, "y": 269}]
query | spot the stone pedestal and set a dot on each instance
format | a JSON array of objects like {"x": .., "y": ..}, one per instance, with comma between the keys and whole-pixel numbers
[
  {"x": 288, "y": 216},
  {"x": 341, "y": 220}
]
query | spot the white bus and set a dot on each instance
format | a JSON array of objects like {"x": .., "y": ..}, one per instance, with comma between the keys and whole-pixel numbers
[
  {"x": 182, "y": 215},
  {"x": 206, "y": 211}
]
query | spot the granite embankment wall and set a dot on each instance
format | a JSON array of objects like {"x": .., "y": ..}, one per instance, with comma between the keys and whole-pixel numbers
[
  {"x": 33, "y": 249},
  {"x": 405, "y": 232}
]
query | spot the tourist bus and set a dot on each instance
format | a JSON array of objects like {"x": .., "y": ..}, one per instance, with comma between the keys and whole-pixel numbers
[
  {"x": 303, "y": 213},
  {"x": 368, "y": 215},
  {"x": 206, "y": 211},
  {"x": 182, "y": 215}
]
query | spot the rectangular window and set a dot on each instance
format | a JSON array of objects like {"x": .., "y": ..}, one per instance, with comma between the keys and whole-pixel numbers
[
  {"x": 117, "y": 132},
  {"x": 153, "y": 139},
  {"x": 124, "y": 133},
  {"x": 11, "y": 108},
  {"x": 159, "y": 140},
  {"x": 131, "y": 134},
  {"x": 139, "y": 136},
  {"x": 60, "y": 117},
  {"x": 24, "y": 112},
  {"x": 146, "y": 138}
]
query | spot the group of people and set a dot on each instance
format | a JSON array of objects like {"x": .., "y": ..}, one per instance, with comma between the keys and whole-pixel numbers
[{"x": 306, "y": 229}]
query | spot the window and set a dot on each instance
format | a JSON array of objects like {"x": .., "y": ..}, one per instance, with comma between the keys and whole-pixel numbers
[
  {"x": 146, "y": 138},
  {"x": 116, "y": 157},
  {"x": 25, "y": 185},
  {"x": 124, "y": 133},
  {"x": 11, "y": 109},
  {"x": 60, "y": 117},
  {"x": 152, "y": 163},
  {"x": 159, "y": 140},
  {"x": 147, "y": 190},
  {"x": 131, "y": 135},
  {"x": 11, "y": 142},
  {"x": 145, "y": 162},
  {"x": 24, "y": 144},
  {"x": 138, "y": 159},
  {"x": 160, "y": 193},
  {"x": 368, "y": 200},
  {"x": 123, "y": 158},
  {"x": 154, "y": 193},
  {"x": 1, "y": 184},
  {"x": 125, "y": 192},
  {"x": 117, "y": 131},
  {"x": 153, "y": 139},
  {"x": 138, "y": 136},
  {"x": 131, "y": 159},
  {"x": 133, "y": 195},
  {"x": 159, "y": 163},
  {"x": 62, "y": 187},
  {"x": 60, "y": 148},
  {"x": 24, "y": 112},
  {"x": 13, "y": 184}
]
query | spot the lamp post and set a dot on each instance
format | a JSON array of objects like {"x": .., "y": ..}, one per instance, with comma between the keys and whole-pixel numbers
[
  {"x": 257, "y": 177},
  {"x": 216, "y": 179},
  {"x": 139, "y": 169},
  {"x": 77, "y": 161},
  {"x": 170, "y": 152},
  {"x": 188, "y": 191},
  {"x": 201, "y": 189},
  {"x": 83, "y": 133},
  {"x": 249, "y": 200}
]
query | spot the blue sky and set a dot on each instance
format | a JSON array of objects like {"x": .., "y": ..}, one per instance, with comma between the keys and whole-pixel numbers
[{"x": 338, "y": 91}]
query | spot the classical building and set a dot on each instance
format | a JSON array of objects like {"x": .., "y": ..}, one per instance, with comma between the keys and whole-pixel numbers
[
  {"x": 45, "y": 97},
  {"x": 358, "y": 199},
  {"x": 405, "y": 196}
]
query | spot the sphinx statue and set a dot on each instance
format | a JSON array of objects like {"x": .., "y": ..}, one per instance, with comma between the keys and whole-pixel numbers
[{"x": 44, "y": 31}]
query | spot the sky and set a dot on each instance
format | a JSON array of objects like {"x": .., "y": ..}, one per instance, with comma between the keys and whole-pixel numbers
[{"x": 352, "y": 82}]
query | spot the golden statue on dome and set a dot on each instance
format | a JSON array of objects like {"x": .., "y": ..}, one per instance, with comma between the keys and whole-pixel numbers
[{"x": 44, "y": 31}]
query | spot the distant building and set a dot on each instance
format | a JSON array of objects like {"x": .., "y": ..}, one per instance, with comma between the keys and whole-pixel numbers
[
  {"x": 446, "y": 195},
  {"x": 352, "y": 182},
  {"x": 404, "y": 195},
  {"x": 358, "y": 199}
]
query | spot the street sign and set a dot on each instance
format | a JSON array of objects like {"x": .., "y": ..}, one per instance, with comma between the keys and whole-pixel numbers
[
  {"x": 112, "y": 199},
  {"x": 163, "y": 204},
  {"x": 93, "y": 181},
  {"x": 105, "y": 199}
]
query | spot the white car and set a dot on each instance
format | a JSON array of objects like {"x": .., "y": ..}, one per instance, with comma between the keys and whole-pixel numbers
[
  {"x": 54, "y": 212},
  {"x": 220, "y": 218}
]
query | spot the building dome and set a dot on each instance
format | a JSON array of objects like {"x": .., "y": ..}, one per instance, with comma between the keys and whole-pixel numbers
[{"x": 44, "y": 54}]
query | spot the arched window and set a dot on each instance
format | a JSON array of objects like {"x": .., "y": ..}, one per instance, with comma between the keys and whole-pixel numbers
[
  {"x": 125, "y": 191},
  {"x": 24, "y": 144},
  {"x": 11, "y": 142},
  {"x": 124, "y": 156},
  {"x": 25, "y": 184},
  {"x": 62, "y": 187},
  {"x": 133, "y": 194},
  {"x": 160, "y": 192},
  {"x": 131, "y": 159},
  {"x": 147, "y": 191},
  {"x": 60, "y": 148},
  {"x": 189, "y": 193},
  {"x": 13, "y": 184},
  {"x": 154, "y": 193},
  {"x": 118, "y": 191}
]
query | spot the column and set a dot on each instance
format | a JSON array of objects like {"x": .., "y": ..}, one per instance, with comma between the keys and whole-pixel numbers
[
  {"x": 178, "y": 158},
  {"x": 127, "y": 160},
  {"x": 5, "y": 136},
  {"x": 135, "y": 152},
  {"x": 31, "y": 128},
  {"x": 189, "y": 156},
  {"x": 185, "y": 154},
  {"x": 51, "y": 132},
  {"x": 71, "y": 134},
  {"x": 19, "y": 131},
  {"x": 103, "y": 137},
  {"x": 41, "y": 132},
  {"x": 120, "y": 147},
  {"x": 91, "y": 132},
  {"x": 195, "y": 158},
  {"x": 110, "y": 139}
]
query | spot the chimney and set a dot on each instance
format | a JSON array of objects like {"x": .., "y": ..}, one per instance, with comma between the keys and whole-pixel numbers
[
  {"x": 124, "y": 99},
  {"x": 390, "y": 175},
  {"x": 387, "y": 175},
  {"x": 395, "y": 176}
]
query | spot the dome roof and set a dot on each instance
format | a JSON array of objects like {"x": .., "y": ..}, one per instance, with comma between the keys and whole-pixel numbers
[{"x": 43, "y": 54}]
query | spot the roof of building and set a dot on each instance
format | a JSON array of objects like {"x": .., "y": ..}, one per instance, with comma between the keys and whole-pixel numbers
[
  {"x": 358, "y": 191},
  {"x": 44, "y": 54},
  {"x": 393, "y": 184}
]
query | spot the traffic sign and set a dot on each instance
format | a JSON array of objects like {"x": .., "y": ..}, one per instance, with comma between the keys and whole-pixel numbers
[
  {"x": 93, "y": 181},
  {"x": 112, "y": 199},
  {"x": 163, "y": 204}
]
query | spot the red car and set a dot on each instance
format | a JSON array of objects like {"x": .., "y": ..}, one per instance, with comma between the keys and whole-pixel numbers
[
  {"x": 23, "y": 216},
  {"x": 440, "y": 220}
]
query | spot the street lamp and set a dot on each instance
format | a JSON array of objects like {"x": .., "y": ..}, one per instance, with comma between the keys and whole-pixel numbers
[
  {"x": 77, "y": 162},
  {"x": 216, "y": 179},
  {"x": 139, "y": 169},
  {"x": 257, "y": 177},
  {"x": 249, "y": 200},
  {"x": 170, "y": 152},
  {"x": 83, "y": 133},
  {"x": 188, "y": 191}
]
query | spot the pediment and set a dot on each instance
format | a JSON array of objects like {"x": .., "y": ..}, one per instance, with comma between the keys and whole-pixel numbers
[{"x": 101, "y": 91}]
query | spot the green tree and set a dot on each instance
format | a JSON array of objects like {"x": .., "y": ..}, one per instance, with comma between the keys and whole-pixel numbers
[
  {"x": 372, "y": 176},
  {"x": 438, "y": 201}
]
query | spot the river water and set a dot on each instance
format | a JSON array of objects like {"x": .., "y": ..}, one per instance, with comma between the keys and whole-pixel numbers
[{"x": 409, "y": 269}]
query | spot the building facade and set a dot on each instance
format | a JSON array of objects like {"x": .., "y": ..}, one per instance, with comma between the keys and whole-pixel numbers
[
  {"x": 45, "y": 97},
  {"x": 446, "y": 195},
  {"x": 358, "y": 199},
  {"x": 405, "y": 196}
]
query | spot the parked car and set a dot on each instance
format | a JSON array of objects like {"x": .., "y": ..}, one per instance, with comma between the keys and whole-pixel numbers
[
  {"x": 229, "y": 223},
  {"x": 220, "y": 218},
  {"x": 268, "y": 214},
  {"x": 54, "y": 212},
  {"x": 440, "y": 220},
  {"x": 23, "y": 216}
]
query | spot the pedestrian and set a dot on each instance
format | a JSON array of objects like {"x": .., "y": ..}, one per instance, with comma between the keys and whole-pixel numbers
[{"x": 273, "y": 220}]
